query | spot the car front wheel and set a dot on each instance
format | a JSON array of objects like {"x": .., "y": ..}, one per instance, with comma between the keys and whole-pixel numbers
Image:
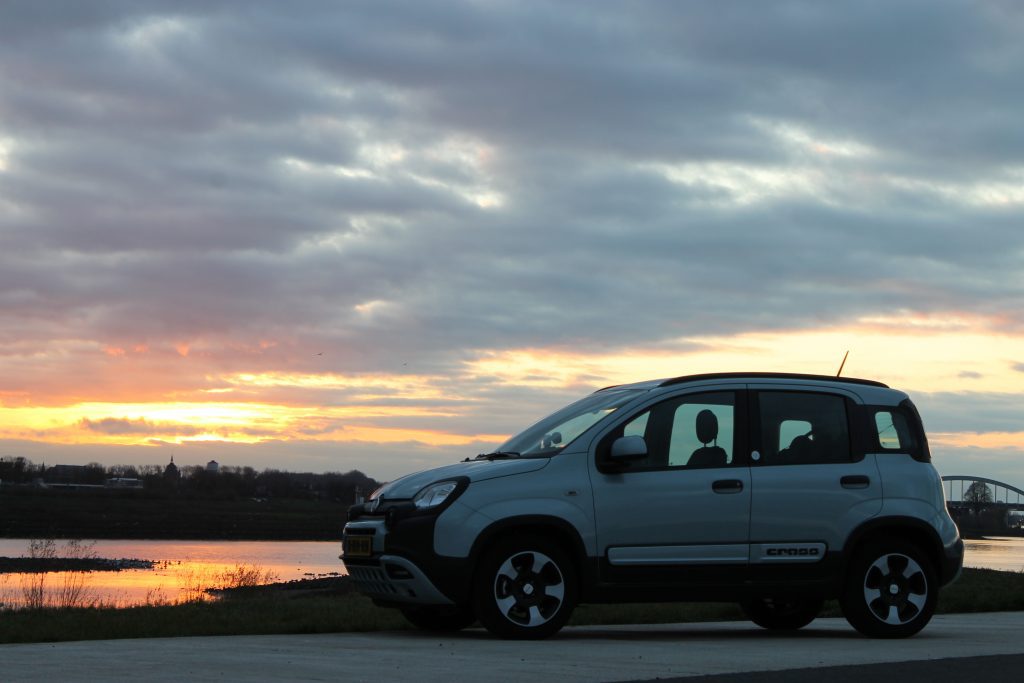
[{"x": 525, "y": 588}]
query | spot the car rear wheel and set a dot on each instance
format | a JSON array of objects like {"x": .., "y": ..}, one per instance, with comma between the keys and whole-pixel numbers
[
  {"x": 781, "y": 614},
  {"x": 890, "y": 591},
  {"x": 439, "y": 618},
  {"x": 525, "y": 588}
]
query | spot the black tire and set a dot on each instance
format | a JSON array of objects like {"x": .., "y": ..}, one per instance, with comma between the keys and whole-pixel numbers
[
  {"x": 781, "y": 614},
  {"x": 525, "y": 588},
  {"x": 890, "y": 591},
  {"x": 439, "y": 618}
]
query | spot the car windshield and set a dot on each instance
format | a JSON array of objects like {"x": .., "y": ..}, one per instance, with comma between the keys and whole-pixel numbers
[{"x": 561, "y": 428}]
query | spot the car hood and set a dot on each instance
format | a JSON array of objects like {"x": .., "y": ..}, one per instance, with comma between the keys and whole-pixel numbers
[{"x": 477, "y": 470}]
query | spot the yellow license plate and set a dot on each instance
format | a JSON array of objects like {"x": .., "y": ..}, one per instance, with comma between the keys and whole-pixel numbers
[{"x": 359, "y": 546}]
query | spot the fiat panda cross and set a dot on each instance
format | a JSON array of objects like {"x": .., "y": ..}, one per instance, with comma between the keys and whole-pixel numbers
[{"x": 776, "y": 491}]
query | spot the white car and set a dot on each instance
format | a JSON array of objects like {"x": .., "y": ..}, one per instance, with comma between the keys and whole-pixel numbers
[{"x": 776, "y": 491}]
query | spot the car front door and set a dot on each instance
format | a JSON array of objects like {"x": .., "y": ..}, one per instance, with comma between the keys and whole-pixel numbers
[{"x": 683, "y": 509}]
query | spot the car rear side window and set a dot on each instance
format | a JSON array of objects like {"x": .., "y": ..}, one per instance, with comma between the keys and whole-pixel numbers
[
  {"x": 894, "y": 432},
  {"x": 800, "y": 428}
]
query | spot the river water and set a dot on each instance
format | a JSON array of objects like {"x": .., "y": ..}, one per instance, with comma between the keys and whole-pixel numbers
[
  {"x": 184, "y": 568},
  {"x": 995, "y": 552}
]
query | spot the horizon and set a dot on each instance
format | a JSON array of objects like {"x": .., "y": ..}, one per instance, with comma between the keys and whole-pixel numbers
[
  {"x": 387, "y": 237},
  {"x": 141, "y": 468}
]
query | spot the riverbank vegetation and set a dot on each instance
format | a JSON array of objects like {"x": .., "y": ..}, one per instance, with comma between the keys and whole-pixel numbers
[
  {"x": 126, "y": 515},
  {"x": 211, "y": 481},
  {"x": 193, "y": 502},
  {"x": 331, "y": 606}
]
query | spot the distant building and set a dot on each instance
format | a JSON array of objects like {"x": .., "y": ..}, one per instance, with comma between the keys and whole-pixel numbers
[
  {"x": 124, "y": 483},
  {"x": 73, "y": 477},
  {"x": 171, "y": 471},
  {"x": 65, "y": 474},
  {"x": 212, "y": 466}
]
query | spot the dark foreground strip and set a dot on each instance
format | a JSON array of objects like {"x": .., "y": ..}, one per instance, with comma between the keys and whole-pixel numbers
[{"x": 993, "y": 668}]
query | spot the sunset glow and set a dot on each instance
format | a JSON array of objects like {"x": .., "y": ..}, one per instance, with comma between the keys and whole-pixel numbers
[{"x": 916, "y": 354}]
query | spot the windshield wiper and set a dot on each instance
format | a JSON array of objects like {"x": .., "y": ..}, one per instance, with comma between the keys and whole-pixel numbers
[{"x": 497, "y": 454}]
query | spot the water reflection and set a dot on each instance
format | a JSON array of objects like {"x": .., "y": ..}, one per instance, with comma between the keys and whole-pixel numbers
[
  {"x": 996, "y": 552},
  {"x": 182, "y": 570}
]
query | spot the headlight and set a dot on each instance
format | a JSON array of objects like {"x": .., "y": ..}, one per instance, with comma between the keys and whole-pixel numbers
[{"x": 434, "y": 495}]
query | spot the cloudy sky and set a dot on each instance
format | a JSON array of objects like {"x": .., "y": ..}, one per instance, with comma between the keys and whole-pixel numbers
[{"x": 385, "y": 235}]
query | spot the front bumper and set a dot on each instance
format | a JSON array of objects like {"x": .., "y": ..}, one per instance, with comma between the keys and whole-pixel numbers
[
  {"x": 390, "y": 578},
  {"x": 402, "y": 566}
]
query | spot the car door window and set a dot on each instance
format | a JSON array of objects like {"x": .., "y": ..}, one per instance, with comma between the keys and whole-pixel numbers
[
  {"x": 702, "y": 432},
  {"x": 637, "y": 426},
  {"x": 800, "y": 428},
  {"x": 697, "y": 430}
]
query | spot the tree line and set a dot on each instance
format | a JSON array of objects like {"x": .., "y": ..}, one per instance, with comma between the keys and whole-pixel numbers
[{"x": 193, "y": 481}]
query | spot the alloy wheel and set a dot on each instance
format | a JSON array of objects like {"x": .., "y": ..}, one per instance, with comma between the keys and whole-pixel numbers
[
  {"x": 529, "y": 588},
  {"x": 895, "y": 589}
]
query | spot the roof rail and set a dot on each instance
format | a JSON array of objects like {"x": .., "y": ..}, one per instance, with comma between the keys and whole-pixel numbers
[{"x": 771, "y": 375}]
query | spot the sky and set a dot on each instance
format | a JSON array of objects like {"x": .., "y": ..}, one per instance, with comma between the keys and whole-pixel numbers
[{"x": 324, "y": 236}]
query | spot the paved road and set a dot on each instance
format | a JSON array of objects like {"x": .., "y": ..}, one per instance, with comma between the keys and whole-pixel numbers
[
  {"x": 589, "y": 653},
  {"x": 995, "y": 668}
]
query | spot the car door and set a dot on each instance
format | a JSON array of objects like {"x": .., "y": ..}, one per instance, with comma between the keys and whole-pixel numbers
[
  {"x": 810, "y": 487},
  {"x": 687, "y": 503}
]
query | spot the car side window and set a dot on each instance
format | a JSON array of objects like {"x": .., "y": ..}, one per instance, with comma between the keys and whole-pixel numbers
[
  {"x": 693, "y": 431},
  {"x": 799, "y": 428},
  {"x": 894, "y": 433}
]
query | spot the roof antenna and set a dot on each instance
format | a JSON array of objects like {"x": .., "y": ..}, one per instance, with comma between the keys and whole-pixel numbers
[{"x": 843, "y": 363}]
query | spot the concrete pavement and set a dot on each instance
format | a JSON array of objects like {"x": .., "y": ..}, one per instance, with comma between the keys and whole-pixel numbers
[{"x": 587, "y": 653}]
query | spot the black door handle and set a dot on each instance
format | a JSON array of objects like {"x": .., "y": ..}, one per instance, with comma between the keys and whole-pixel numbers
[
  {"x": 727, "y": 486},
  {"x": 855, "y": 481}
]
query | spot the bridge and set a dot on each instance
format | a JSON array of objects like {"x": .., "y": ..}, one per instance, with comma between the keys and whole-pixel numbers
[{"x": 966, "y": 491}]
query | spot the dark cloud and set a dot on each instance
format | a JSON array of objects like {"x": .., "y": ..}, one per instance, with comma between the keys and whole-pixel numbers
[
  {"x": 971, "y": 411},
  {"x": 122, "y": 426},
  {"x": 407, "y": 186}
]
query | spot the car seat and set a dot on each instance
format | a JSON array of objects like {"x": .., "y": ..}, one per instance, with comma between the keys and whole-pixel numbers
[{"x": 707, "y": 432}]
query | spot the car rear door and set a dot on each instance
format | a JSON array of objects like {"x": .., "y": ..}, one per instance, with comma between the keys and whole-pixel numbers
[{"x": 811, "y": 484}]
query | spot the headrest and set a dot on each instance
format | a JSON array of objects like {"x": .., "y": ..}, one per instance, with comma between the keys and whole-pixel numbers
[{"x": 707, "y": 426}]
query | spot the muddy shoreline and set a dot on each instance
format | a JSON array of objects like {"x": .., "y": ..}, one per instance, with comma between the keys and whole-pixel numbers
[
  {"x": 323, "y": 585},
  {"x": 33, "y": 565}
]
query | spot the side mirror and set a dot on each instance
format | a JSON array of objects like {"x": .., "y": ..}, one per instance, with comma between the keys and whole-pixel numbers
[{"x": 628, "y": 448}]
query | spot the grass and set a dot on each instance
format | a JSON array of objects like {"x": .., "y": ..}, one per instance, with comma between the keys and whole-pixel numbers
[
  {"x": 249, "y": 616},
  {"x": 978, "y": 590}
]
